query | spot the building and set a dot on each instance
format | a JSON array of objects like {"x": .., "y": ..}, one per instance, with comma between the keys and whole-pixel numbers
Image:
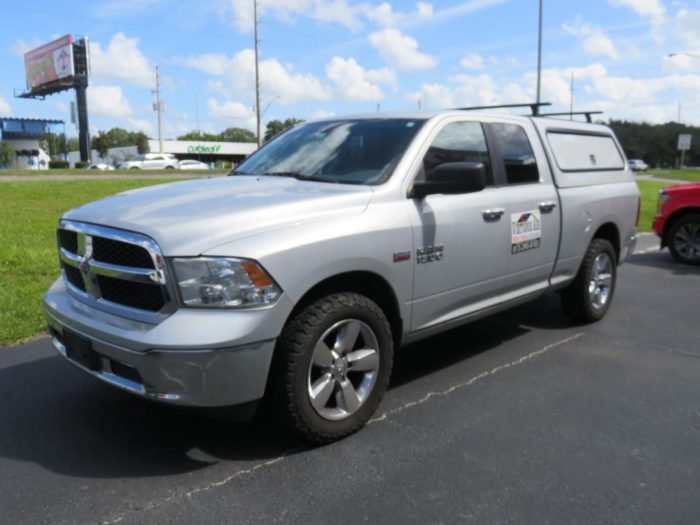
[
  {"x": 25, "y": 135},
  {"x": 209, "y": 152}
]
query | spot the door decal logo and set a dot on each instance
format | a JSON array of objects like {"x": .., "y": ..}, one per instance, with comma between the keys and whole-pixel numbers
[
  {"x": 526, "y": 231},
  {"x": 429, "y": 254}
]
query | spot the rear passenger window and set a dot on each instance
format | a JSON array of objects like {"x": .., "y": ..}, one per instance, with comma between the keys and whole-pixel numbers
[
  {"x": 458, "y": 142},
  {"x": 519, "y": 159},
  {"x": 580, "y": 152}
]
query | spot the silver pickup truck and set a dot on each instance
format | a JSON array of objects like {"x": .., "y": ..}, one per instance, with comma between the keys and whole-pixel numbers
[{"x": 296, "y": 278}]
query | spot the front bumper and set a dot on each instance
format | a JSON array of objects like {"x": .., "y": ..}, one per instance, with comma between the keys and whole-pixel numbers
[{"x": 199, "y": 358}]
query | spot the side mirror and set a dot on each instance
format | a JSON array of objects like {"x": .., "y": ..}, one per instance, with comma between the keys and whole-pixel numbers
[{"x": 451, "y": 178}]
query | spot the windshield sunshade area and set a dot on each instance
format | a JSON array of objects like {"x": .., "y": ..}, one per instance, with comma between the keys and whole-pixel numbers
[{"x": 362, "y": 151}]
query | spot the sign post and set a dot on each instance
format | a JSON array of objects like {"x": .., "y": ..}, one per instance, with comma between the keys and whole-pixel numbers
[{"x": 684, "y": 143}]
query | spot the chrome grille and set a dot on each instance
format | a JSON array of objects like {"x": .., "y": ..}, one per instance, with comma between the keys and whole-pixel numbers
[{"x": 113, "y": 268}]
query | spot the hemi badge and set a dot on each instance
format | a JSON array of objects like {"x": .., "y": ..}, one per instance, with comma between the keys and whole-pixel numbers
[{"x": 402, "y": 256}]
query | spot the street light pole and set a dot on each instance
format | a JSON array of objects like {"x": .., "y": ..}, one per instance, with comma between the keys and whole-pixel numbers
[{"x": 539, "y": 58}]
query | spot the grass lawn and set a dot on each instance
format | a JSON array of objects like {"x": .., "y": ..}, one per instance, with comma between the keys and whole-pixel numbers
[
  {"x": 167, "y": 173},
  {"x": 650, "y": 197},
  {"x": 692, "y": 175},
  {"x": 29, "y": 212},
  {"x": 28, "y": 260}
]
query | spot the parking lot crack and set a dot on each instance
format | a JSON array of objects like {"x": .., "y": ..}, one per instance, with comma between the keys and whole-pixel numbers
[{"x": 427, "y": 397}]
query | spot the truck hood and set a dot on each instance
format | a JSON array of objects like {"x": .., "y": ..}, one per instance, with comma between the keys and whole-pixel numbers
[{"x": 191, "y": 217}]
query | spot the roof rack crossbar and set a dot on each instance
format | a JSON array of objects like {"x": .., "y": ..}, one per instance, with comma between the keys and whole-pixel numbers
[
  {"x": 534, "y": 107},
  {"x": 587, "y": 114}
]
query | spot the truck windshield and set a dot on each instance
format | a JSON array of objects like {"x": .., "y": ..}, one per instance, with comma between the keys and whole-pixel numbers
[{"x": 362, "y": 151}]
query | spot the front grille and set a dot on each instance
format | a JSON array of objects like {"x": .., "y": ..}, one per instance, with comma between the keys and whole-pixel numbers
[
  {"x": 74, "y": 277},
  {"x": 120, "y": 253},
  {"x": 135, "y": 295},
  {"x": 68, "y": 240},
  {"x": 138, "y": 284}
]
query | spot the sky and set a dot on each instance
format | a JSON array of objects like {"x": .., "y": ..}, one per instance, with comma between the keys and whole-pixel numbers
[{"x": 335, "y": 57}]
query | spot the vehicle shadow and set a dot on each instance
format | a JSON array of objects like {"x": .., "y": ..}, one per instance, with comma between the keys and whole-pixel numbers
[{"x": 55, "y": 416}]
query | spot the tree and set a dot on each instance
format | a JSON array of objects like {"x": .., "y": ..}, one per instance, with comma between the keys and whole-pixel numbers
[
  {"x": 7, "y": 153},
  {"x": 275, "y": 127},
  {"x": 238, "y": 135},
  {"x": 55, "y": 144},
  {"x": 119, "y": 138},
  {"x": 228, "y": 135},
  {"x": 656, "y": 144},
  {"x": 73, "y": 144},
  {"x": 142, "y": 142}
]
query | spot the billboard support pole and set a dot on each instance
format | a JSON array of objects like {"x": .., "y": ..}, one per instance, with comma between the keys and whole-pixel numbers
[{"x": 81, "y": 84}]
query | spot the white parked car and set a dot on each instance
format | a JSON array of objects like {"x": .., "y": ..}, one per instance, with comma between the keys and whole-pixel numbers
[
  {"x": 189, "y": 164},
  {"x": 101, "y": 166},
  {"x": 150, "y": 161},
  {"x": 638, "y": 165}
]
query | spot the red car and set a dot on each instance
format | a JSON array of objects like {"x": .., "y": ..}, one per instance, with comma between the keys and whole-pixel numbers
[{"x": 677, "y": 221}]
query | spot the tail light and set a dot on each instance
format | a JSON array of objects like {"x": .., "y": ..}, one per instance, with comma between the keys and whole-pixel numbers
[{"x": 663, "y": 199}]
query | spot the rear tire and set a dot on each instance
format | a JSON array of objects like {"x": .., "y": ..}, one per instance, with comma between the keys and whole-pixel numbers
[
  {"x": 588, "y": 298},
  {"x": 331, "y": 367},
  {"x": 683, "y": 239}
]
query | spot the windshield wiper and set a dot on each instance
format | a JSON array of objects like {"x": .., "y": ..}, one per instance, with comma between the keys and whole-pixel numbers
[{"x": 298, "y": 176}]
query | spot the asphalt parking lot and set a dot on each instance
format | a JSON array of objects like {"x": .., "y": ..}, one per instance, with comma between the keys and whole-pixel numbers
[{"x": 519, "y": 418}]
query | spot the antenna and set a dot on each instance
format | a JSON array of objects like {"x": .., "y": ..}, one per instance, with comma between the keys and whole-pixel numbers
[{"x": 257, "y": 73}]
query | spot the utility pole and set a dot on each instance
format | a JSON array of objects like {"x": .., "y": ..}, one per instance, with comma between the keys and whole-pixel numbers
[
  {"x": 539, "y": 57},
  {"x": 257, "y": 74},
  {"x": 158, "y": 106}
]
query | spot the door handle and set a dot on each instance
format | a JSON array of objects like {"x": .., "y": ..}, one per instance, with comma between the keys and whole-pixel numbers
[
  {"x": 547, "y": 207},
  {"x": 493, "y": 214}
]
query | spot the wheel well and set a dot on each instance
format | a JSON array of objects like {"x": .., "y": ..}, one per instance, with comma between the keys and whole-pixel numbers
[
  {"x": 677, "y": 216},
  {"x": 610, "y": 233},
  {"x": 368, "y": 284}
]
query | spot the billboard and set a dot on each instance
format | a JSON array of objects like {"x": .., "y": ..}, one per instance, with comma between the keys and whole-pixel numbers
[
  {"x": 684, "y": 142},
  {"x": 50, "y": 63}
]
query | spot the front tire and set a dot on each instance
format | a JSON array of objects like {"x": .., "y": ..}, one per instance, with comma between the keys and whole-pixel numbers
[
  {"x": 331, "y": 367},
  {"x": 683, "y": 239},
  {"x": 588, "y": 298}
]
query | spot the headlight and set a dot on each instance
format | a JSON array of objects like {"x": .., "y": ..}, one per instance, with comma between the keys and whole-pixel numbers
[{"x": 224, "y": 283}]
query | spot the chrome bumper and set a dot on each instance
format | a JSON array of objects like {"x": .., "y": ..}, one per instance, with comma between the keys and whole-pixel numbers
[{"x": 209, "y": 374}]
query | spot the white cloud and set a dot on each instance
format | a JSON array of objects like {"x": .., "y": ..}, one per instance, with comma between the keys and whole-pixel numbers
[
  {"x": 235, "y": 113},
  {"x": 652, "y": 99},
  {"x": 688, "y": 26},
  {"x": 108, "y": 101},
  {"x": 384, "y": 14},
  {"x": 20, "y": 47},
  {"x": 121, "y": 60},
  {"x": 238, "y": 77},
  {"x": 5, "y": 109},
  {"x": 240, "y": 12},
  {"x": 354, "y": 83},
  {"x": 401, "y": 51},
  {"x": 320, "y": 113},
  {"x": 595, "y": 41},
  {"x": 473, "y": 61},
  {"x": 653, "y": 9},
  {"x": 141, "y": 124}
]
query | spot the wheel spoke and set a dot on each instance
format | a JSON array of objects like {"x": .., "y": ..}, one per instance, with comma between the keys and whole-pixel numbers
[
  {"x": 347, "y": 397},
  {"x": 605, "y": 279},
  {"x": 347, "y": 336},
  {"x": 323, "y": 356},
  {"x": 321, "y": 391},
  {"x": 365, "y": 360}
]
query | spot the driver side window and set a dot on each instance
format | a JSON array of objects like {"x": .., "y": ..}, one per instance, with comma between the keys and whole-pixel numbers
[{"x": 458, "y": 142}]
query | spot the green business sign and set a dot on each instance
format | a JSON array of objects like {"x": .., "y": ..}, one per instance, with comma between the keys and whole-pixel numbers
[{"x": 201, "y": 148}]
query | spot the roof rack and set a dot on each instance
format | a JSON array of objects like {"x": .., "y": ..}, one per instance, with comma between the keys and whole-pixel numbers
[
  {"x": 534, "y": 107},
  {"x": 572, "y": 113}
]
